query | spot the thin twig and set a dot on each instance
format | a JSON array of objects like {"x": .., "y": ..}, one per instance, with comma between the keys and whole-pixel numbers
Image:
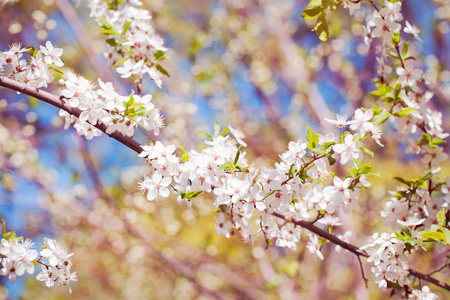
[{"x": 362, "y": 272}]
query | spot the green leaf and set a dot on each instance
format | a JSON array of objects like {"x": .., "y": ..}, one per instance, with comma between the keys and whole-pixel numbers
[
  {"x": 162, "y": 70},
  {"x": 313, "y": 9},
  {"x": 193, "y": 194},
  {"x": 108, "y": 31},
  {"x": 327, "y": 145},
  {"x": 393, "y": 285},
  {"x": 158, "y": 54},
  {"x": 399, "y": 236},
  {"x": 120, "y": 61},
  {"x": 437, "y": 141},
  {"x": 395, "y": 38},
  {"x": 358, "y": 163},
  {"x": 367, "y": 151},
  {"x": 130, "y": 102},
  {"x": 184, "y": 155},
  {"x": 236, "y": 158},
  {"x": 426, "y": 137},
  {"x": 425, "y": 175},
  {"x": 331, "y": 160},
  {"x": 309, "y": 133},
  {"x": 125, "y": 28},
  {"x": 408, "y": 183},
  {"x": 316, "y": 140},
  {"x": 397, "y": 90},
  {"x": 135, "y": 105},
  {"x": 434, "y": 227},
  {"x": 434, "y": 236},
  {"x": 381, "y": 118},
  {"x": 207, "y": 134},
  {"x": 441, "y": 217},
  {"x": 112, "y": 42},
  {"x": 317, "y": 150},
  {"x": 366, "y": 168},
  {"x": 405, "y": 48},
  {"x": 321, "y": 27},
  {"x": 225, "y": 132},
  {"x": 353, "y": 171},
  {"x": 405, "y": 112},
  {"x": 31, "y": 50},
  {"x": 105, "y": 23},
  {"x": 447, "y": 235}
]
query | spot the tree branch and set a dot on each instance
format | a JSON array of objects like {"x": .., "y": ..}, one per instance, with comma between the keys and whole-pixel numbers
[
  {"x": 60, "y": 103},
  {"x": 358, "y": 252},
  {"x": 132, "y": 144}
]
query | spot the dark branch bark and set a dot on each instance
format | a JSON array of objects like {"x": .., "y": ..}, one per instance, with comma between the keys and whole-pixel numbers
[{"x": 60, "y": 103}]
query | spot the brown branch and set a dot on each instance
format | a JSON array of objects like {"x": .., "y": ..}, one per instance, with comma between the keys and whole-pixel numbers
[
  {"x": 429, "y": 279},
  {"x": 332, "y": 238},
  {"x": 358, "y": 252},
  {"x": 60, "y": 103}
]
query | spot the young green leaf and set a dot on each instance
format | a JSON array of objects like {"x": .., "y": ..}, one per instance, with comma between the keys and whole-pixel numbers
[{"x": 321, "y": 27}]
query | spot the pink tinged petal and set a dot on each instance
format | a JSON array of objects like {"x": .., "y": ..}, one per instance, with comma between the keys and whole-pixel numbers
[
  {"x": 31, "y": 255},
  {"x": 58, "y": 52},
  {"x": 19, "y": 269},
  {"x": 53, "y": 260},
  {"x": 157, "y": 177},
  {"x": 48, "y": 60},
  {"x": 49, "y": 46},
  {"x": 46, "y": 252},
  {"x": 152, "y": 194},
  {"x": 345, "y": 157},
  {"x": 44, "y": 50},
  {"x": 57, "y": 61},
  {"x": 42, "y": 276},
  {"x": 165, "y": 181},
  {"x": 356, "y": 154},
  {"x": 339, "y": 148},
  {"x": 68, "y": 93},
  {"x": 84, "y": 116},
  {"x": 260, "y": 206},
  {"x": 164, "y": 192},
  {"x": 172, "y": 159},
  {"x": 49, "y": 282}
]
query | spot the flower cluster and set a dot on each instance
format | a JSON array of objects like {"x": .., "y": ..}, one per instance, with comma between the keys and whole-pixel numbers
[
  {"x": 104, "y": 105},
  {"x": 18, "y": 257},
  {"x": 132, "y": 41},
  {"x": 299, "y": 187},
  {"x": 412, "y": 205},
  {"x": 37, "y": 72},
  {"x": 388, "y": 258},
  {"x": 57, "y": 271}
]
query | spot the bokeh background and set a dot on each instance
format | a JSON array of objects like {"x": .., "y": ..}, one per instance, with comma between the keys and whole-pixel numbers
[{"x": 254, "y": 65}]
